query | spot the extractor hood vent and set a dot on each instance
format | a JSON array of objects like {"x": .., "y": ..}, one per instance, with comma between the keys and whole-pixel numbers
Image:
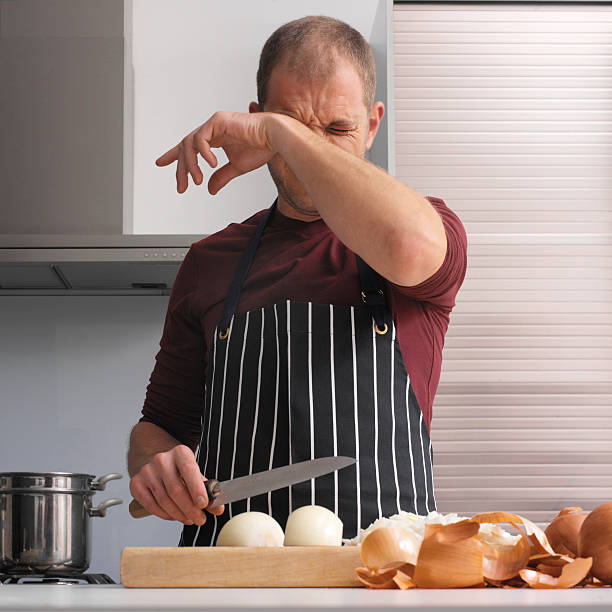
[{"x": 91, "y": 265}]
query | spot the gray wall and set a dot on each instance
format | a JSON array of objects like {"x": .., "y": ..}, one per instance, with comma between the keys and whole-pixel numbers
[
  {"x": 73, "y": 373},
  {"x": 62, "y": 64}
]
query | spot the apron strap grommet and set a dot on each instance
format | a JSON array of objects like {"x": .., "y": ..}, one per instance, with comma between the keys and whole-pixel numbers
[
  {"x": 223, "y": 335},
  {"x": 380, "y": 331},
  {"x": 364, "y": 297}
]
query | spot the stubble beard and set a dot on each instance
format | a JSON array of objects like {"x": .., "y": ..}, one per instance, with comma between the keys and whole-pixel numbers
[{"x": 293, "y": 199}]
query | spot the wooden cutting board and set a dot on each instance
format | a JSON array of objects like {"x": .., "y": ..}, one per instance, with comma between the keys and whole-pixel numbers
[{"x": 227, "y": 566}]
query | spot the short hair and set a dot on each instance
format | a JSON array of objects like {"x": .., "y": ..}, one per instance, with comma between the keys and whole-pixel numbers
[{"x": 310, "y": 45}]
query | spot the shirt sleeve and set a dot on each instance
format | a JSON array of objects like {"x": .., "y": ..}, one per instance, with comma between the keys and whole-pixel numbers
[
  {"x": 175, "y": 393},
  {"x": 442, "y": 287}
]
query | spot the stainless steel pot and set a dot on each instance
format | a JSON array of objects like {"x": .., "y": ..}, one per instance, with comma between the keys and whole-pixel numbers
[{"x": 44, "y": 521}]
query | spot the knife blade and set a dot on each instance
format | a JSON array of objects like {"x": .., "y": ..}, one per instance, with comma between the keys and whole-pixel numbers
[
  {"x": 261, "y": 482},
  {"x": 277, "y": 478}
]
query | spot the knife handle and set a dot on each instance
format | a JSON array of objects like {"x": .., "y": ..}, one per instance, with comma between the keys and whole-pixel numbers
[{"x": 212, "y": 490}]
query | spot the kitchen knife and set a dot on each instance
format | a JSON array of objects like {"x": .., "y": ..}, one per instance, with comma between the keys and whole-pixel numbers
[{"x": 269, "y": 480}]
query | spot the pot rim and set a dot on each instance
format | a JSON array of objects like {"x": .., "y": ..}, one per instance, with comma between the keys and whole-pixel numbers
[
  {"x": 46, "y": 482},
  {"x": 9, "y": 474}
]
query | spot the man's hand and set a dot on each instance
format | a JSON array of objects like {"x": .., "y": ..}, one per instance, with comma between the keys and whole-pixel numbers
[
  {"x": 243, "y": 137},
  {"x": 171, "y": 486}
]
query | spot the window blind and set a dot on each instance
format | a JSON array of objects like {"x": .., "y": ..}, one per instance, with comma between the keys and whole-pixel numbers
[{"x": 504, "y": 111}]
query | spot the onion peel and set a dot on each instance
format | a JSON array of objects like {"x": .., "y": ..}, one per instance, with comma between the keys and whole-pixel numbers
[
  {"x": 376, "y": 580},
  {"x": 502, "y": 564},
  {"x": 389, "y": 545},
  {"x": 403, "y": 581},
  {"x": 536, "y": 536},
  {"x": 555, "y": 559},
  {"x": 571, "y": 574},
  {"x": 450, "y": 556},
  {"x": 551, "y": 570},
  {"x": 398, "y": 575}
]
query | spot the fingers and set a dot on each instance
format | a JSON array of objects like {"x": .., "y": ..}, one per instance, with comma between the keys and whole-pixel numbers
[
  {"x": 171, "y": 486},
  {"x": 186, "y": 156},
  {"x": 168, "y": 157},
  {"x": 180, "y": 496},
  {"x": 174, "y": 484},
  {"x": 160, "y": 478},
  {"x": 162, "y": 497},
  {"x": 200, "y": 144},
  {"x": 181, "y": 174},
  {"x": 217, "y": 511},
  {"x": 161, "y": 490},
  {"x": 222, "y": 177},
  {"x": 147, "y": 501},
  {"x": 191, "y": 160},
  {"x": 191, "y": 476}
]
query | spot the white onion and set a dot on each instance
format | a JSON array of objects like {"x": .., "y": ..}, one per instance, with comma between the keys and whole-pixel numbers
[
  {"x": 251, "y": 529},
  {"x": 313, "y": 526}
]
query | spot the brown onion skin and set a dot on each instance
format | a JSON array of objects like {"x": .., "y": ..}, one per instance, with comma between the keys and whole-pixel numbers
[
  {"x": 595, "y": 540},
  {"x": 562, "y": 533}
]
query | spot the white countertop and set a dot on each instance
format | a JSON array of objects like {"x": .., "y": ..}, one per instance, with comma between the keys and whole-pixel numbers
[{"x": 37, "y": 597}]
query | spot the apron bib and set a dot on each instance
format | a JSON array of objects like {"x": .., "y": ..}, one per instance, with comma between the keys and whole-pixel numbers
[{"x": 297, "y": 381}]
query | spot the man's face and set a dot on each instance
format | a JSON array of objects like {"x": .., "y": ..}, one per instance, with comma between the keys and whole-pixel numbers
[{"x": 333, "y": 108}]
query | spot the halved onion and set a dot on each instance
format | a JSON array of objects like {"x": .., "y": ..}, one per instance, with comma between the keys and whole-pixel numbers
[
  {"x": 251, "y": 529},
  {"x": 313, "y": 526}
]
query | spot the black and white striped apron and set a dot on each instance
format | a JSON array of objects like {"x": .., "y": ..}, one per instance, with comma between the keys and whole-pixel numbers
[{"x": 299, "y": 380}]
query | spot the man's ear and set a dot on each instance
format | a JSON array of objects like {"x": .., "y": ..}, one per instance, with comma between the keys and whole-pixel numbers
[
  {"x": 376, "y": 114},
  {"x": 254, "y": 107}
]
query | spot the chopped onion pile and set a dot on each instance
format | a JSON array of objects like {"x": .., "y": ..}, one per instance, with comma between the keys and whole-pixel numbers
[
  {"x": 416, "y": 524},
  {"x": 449, "y": 551}
]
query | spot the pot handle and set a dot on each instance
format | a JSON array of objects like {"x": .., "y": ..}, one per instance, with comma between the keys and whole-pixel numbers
[
  {"x": 100, "y": 484},
  {"x": 101, "y": 509}
]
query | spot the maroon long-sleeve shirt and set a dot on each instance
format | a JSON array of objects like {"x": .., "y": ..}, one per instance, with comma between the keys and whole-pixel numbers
[{"x": 301, "y": 261}]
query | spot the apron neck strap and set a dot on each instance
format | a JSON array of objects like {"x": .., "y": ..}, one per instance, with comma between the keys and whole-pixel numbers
[
  {"x": 242, "y": 270},
  {"x": 372, "y": 292}
]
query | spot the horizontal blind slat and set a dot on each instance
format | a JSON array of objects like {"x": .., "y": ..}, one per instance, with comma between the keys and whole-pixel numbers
[
  {"x": 544, "y": 470},
  {"x": 517, "y": 481},
  {"x": 499, "y": 420}
]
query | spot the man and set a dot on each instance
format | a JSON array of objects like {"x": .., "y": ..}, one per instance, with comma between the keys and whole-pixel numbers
[{"x": 314, "y": 328}]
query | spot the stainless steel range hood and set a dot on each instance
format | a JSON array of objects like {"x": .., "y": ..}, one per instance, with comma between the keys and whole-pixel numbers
[
  {"x": 91, "y": 265},
  {"x": 62, "y": 196}
]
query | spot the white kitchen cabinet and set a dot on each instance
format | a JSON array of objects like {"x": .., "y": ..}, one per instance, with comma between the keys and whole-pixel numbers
[{"x": 186, "y": 59}]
